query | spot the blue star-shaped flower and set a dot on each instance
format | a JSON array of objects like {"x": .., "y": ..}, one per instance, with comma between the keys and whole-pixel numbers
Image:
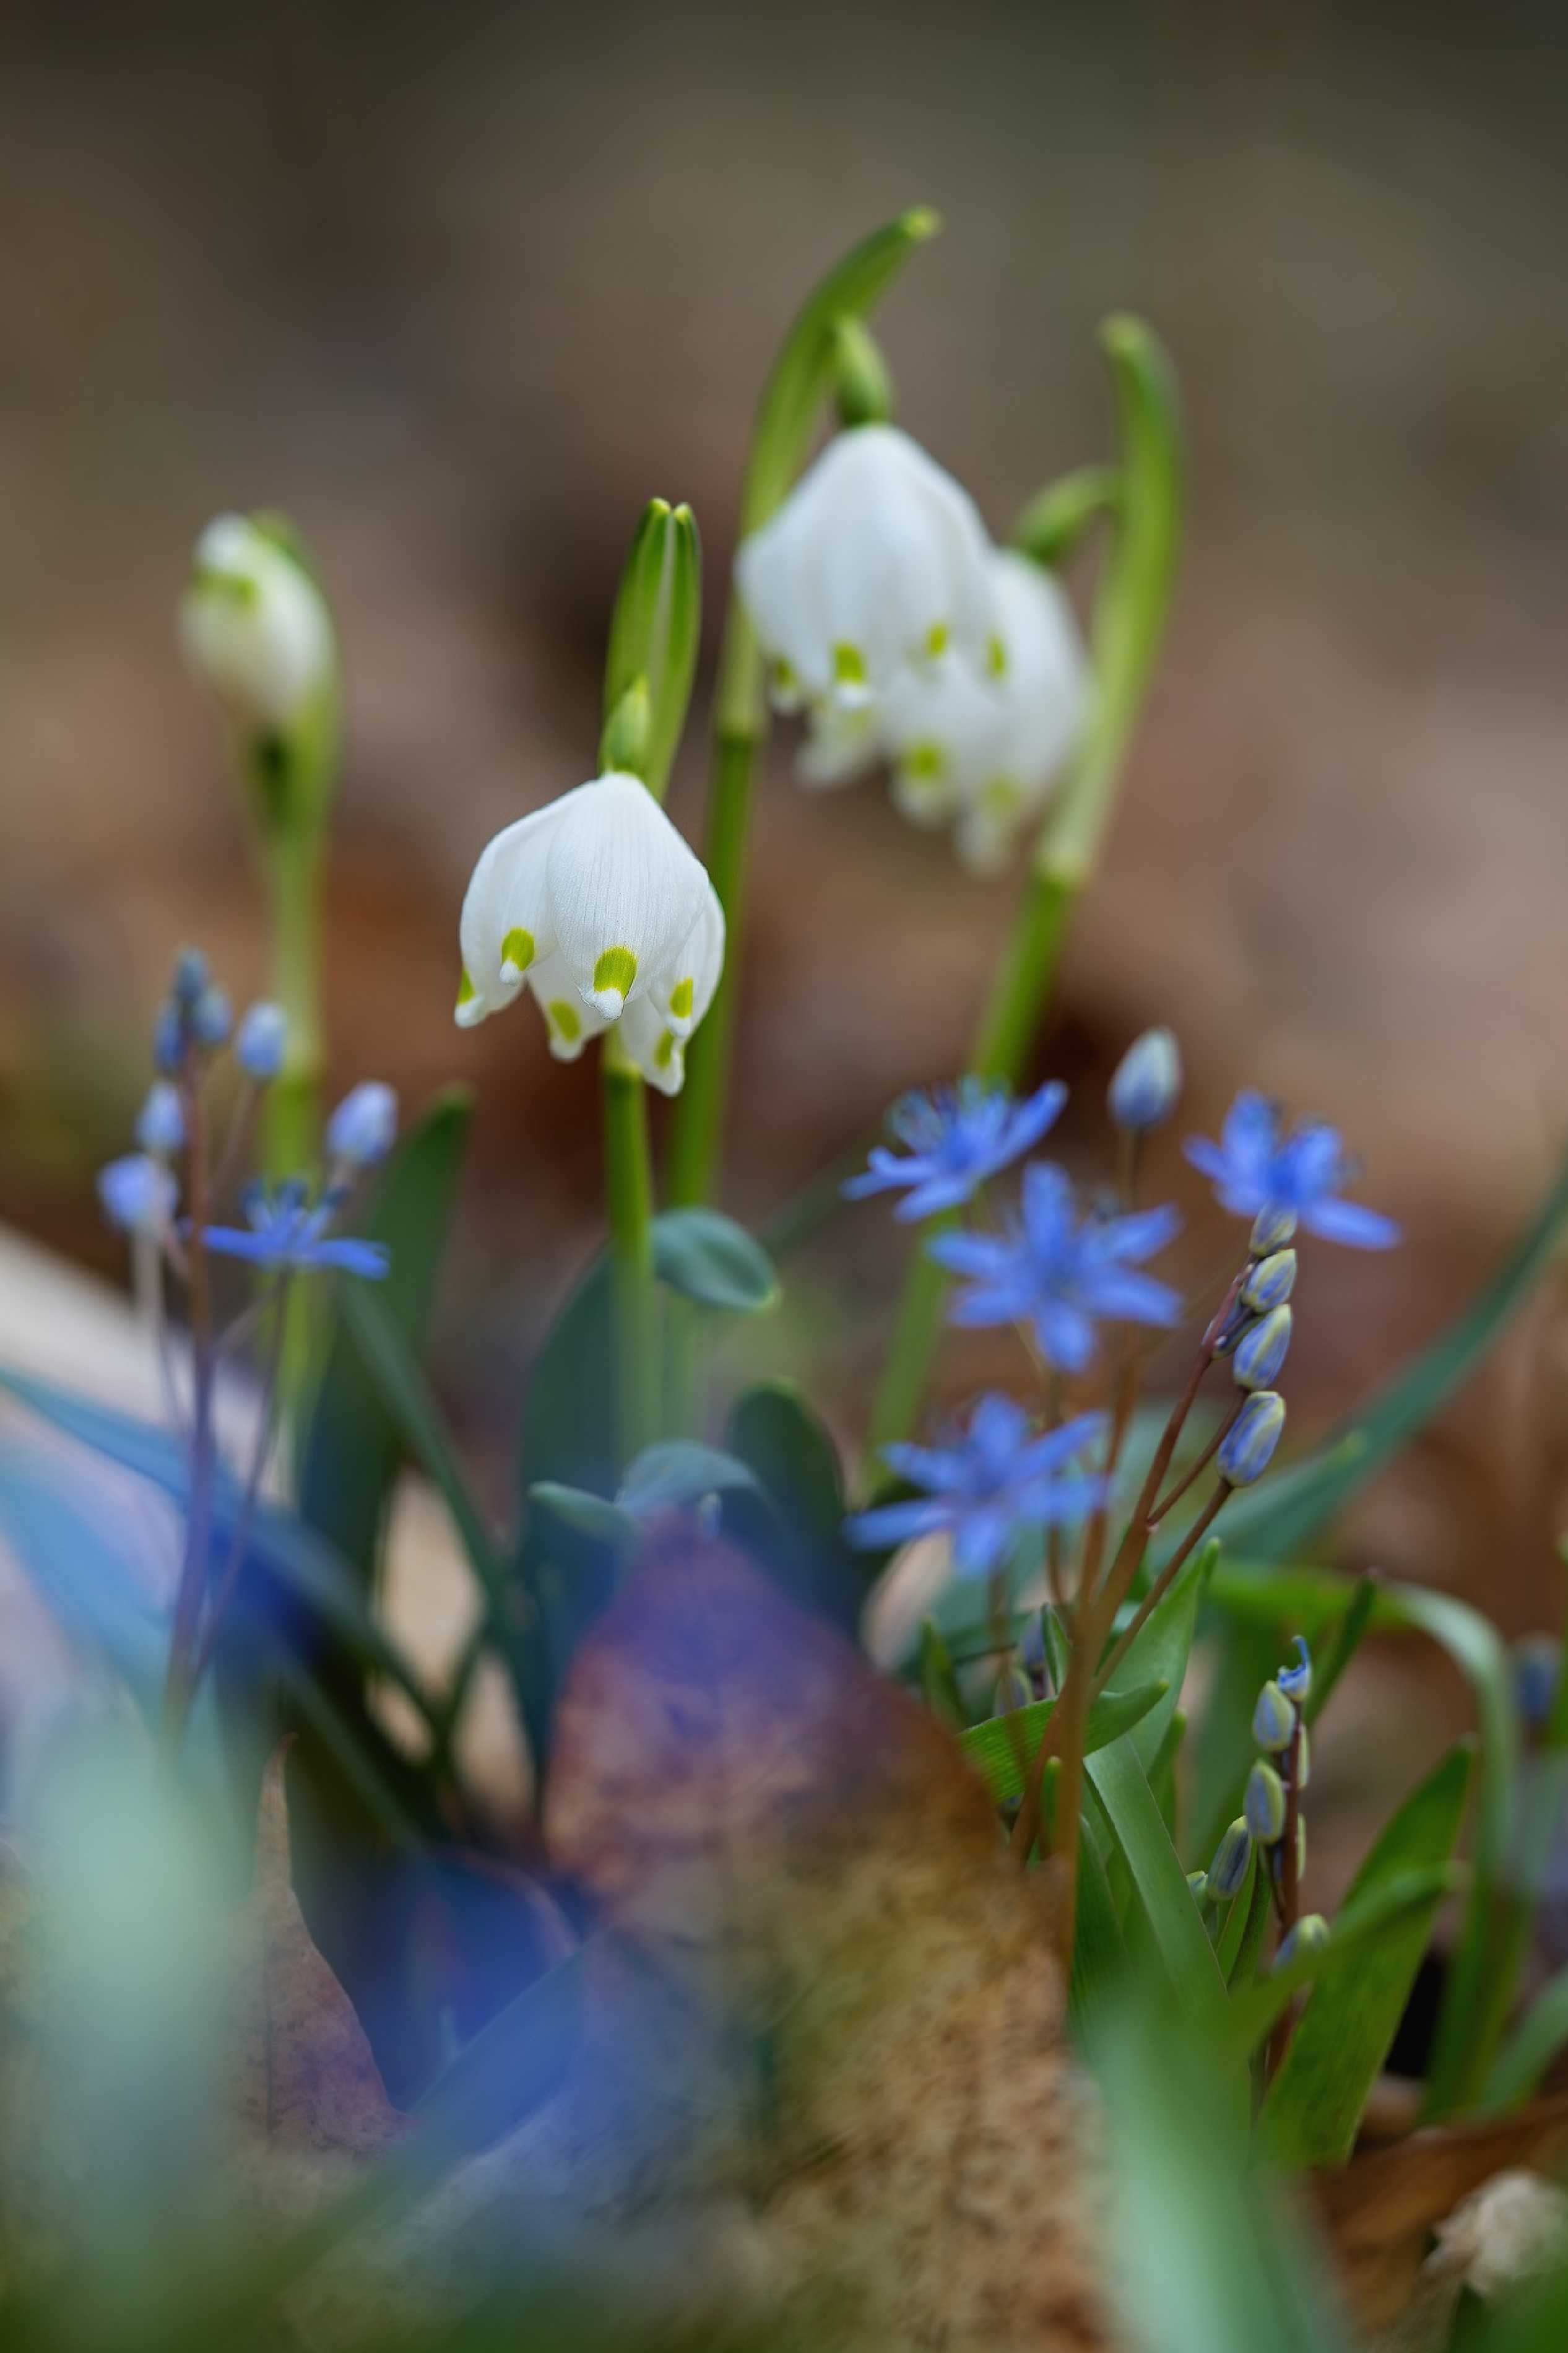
[
  {"x": 986, "y": 1484},
  {"x": 1257, "y": 1169},
  {"x": 955, "y": 1138},
  {"x": 285, "y": 1232},
  {"x": 1062, "y": 1273}
]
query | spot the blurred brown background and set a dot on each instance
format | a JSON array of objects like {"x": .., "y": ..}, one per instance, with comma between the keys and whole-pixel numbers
[{"x": 460, "y": 286}]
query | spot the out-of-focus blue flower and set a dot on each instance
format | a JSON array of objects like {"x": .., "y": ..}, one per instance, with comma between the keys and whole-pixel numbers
[
  {"x": 169, "y": 1038},
  {"x": 192, "y": 974},
  {"x": 161, "y": 1122},
  {"x": 211, "y": 1017},
  {"x": 1062, "y": 1273},
  {"x": 1259, "y": 1171},
  {"x": 1247, "y": 1447},
  {"x": 261, "y": 1042},
  {"x": 1146, "y": 1083},
  {"x": 1296, "y": 1681},
  {"x": 1262, "y": 1349},
  {"x": 138, "y": 1194},
  {"x": 283, "y": 1231},
  {"x": 361, "y": 1129},
  {"x": 986, "y": 1484},
  {"x": 1537, "y": 1664},
  {"x": 954, "y": 1139}
]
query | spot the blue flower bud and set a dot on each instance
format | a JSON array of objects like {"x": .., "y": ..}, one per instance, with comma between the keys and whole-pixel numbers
[
  {"x": 261, "y": 1042},
  {"x": 361, "y": 1128},
  {"x": 1247, "y": 1447},
  {"x": 1537, "y": 1664},
  {"x": 1262, "y": 1349},
  {"x": 1228, "y": 1869},
  {"x": 211, "y": 1017},
  {"x": 1146, "y": 1083},
  {"x": 169, "y": 1040},
  {"x": 1271, "y": 1229},
  {"x": 1273, "y": 1719},
  {"x": 1270, "y": 1282},
  {"x": 192, "y": 975},
  {"x": 1310, "y": 1934},
  {"x": 1198, "y": 1881},
  {"x": 1013, "y": 1690},
  {"x": 138, "y": 1194},
  {"x": 1296, "y": 1681},
  {"x": 1265, "y": 1804},
  {"x": 161, "y": 1122}
]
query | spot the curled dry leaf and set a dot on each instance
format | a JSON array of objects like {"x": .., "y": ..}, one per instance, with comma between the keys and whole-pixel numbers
[{"x": 790, "y": 1854}]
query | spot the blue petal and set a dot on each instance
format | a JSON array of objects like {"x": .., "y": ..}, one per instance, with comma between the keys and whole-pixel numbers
[
  {"x": 1120, "y": 1292},
  {"x": 979, "y": 1541},
  {"x": 970, "y": 1253},
  {"x": 936, "y": 1469},
  {"x": 944, "y": 1192},
  {"x": 1047, "y": 1206},
  {"x": 992, "y": 1302},
  {"x": 1066, "y": 1335},
  {"x": 1032, "y": 1118},
  {"x": 231, "y": 1241},
  {"x": 1349, "y": 1222},
  {"x": 1251, "y": 1133},
  {"x": 1065, "y": 1499},
  {"x": 998, "y": 1428},
  {"x": 372, "y": 1260},
  {"x": 895, "y": 1524},
  {"x": 884, "y": 1171},
  {"x": 1059, "y": 1446},
  {"x": 1141, "y": 1234}
]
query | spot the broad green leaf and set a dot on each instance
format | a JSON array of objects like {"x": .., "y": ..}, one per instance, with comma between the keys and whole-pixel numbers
[
  {"x": 384, "y": 1351},
  {"x": 1163, "y": 1647},
  {"x": 1315, "y": 2102},
  {"x": 356, "y": 1443},
  {"x": 1275, "y": 1519},
  {"x": 1160, "y": 1884},
  {"x": 774, "y": 1432},
  {"x": 679, "y": 1470},
  {"x": 1254, "y": 2008},
  {"x": 1242, "y": 1964},
  {"x": 1541, "y": 2034},
  {"x": 994, "y": 1746},
  {"x": 1100, "y": 1963},
  {"x": 706, "y": 1256},
  {"x": 585, "y": 1515},
  {"x": 566, "y": 1432},
  {"x": 1336, "y": 1653}
]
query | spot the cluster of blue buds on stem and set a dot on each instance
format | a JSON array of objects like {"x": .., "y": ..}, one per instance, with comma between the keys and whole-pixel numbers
[
  {"x": 1273, "y": 1791},
  {"x": 286, "y": 1230}
]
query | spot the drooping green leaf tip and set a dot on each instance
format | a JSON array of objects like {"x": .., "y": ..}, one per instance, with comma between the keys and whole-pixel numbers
[{"x": 922, "y": 221}]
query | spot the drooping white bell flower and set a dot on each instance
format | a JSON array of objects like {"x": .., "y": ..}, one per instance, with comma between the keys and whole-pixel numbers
[
  {"x": 596, "y": 906},
  {"x": 983, "y": 744},
  {"x": 254, "y": 626},
  {"x": 877, "y": 559}
]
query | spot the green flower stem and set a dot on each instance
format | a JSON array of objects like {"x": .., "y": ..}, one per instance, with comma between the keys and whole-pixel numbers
[
  {"x": 1129, "y": 622},
  {"x": 628, "y": 1180},
  {"x": 296, "y": 869},
  {"x": 804, "y": 374}
]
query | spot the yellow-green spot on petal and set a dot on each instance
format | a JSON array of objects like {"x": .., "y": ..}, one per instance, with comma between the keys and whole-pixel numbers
[
  {"x": 1002, "y": 796},
  {"x": 924, "y": 764},
  {"x": 938, "y": 637},
  {"x": 848, "y": 664},
  {"x": 617, "y": 969},
  {"x": 565, "y": 1019},
  {"x": 996, "y": 658},
  {"x": 466, "y": 989},
  {"x": 680, "y": 997},
  {"x": 517, "y": 950},
  {"x": 664, "y": 1052}
]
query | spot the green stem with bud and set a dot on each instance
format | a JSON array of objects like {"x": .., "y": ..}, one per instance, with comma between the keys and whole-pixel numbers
[
  {"x": 804, "y": 372},
  {"x": 1130, "y": 617}
]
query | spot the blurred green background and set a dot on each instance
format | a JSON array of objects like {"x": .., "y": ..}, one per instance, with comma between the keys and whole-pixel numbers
[{"x": 461, "y": 286}]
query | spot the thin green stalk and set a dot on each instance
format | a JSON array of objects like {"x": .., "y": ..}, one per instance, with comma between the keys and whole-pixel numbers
[
  {"x": 628, "y": 1180},
  {"x": 803, "y": 374},
  {"x": 296, "y": 865},
  {"x": 1130, "y": 618}
]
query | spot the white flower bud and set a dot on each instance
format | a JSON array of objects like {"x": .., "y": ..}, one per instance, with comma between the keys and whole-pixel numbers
[
  {"x": 254, "y": 625},
  {"x": 876, "y": 560},
  {"x": 597, "y": 906}
]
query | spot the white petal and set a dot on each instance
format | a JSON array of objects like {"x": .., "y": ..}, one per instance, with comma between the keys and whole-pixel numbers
[
  {"x": 254, "y": 626},
  {"x": 507, "y": 894},
  {"x": 625, "y": 891},
  {"x": 568, "y": 1023},
  {"x": 841, "y": 742},
  {"x": 681, "y": 993},
  {"x": 1046, "y": 679},
  {"x": 654, "y": 1049}
]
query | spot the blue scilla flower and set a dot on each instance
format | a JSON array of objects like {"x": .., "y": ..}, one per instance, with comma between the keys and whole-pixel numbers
[
  {"x": 1259, "y": 1171},
  {"x": 1061, "y": 1272},
  {"x": 988, "y": 1482},
  {"x": 1296, "y": 1681},
  {"x": 1146, "y": 1083},
  {"x": 283, "y": 1231},
  {"x": 955, "y": 1138},
  {"x": 138, "y": 1194},
  {"x": 161, "y": 1122}
]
